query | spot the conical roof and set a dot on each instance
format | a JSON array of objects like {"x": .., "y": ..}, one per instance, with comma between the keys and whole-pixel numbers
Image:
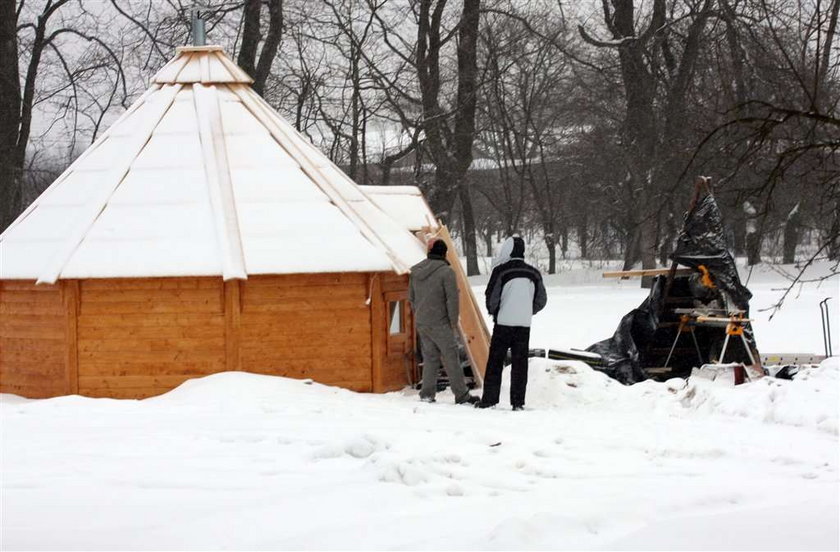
[{"x": 201, "y": 177}]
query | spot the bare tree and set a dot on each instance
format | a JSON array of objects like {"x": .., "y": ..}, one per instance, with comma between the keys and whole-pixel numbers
[
  {"x": 449, "y": 133},
  {"x": 525, "y": 111},
  {"x": 654, "y": 56},
  {"x": 69, "y": 73}
]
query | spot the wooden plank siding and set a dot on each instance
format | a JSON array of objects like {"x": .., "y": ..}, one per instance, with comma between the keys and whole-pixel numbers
[
  {"x": 139, "y": 337},
  {"x": 308, "y": 326},
  {"x": 33, "y": 339}
]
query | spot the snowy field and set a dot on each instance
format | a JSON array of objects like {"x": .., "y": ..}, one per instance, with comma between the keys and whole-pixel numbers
[{"x": 239, "y": 461}]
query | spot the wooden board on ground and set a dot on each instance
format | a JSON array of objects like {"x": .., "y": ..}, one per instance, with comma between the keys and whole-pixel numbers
[
  {"x": 646, "y": 272},
  {"x": 474, "y": 332}
]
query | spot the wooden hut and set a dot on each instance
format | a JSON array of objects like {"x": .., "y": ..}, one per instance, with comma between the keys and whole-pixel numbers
[{"x": 201, "y": 233}]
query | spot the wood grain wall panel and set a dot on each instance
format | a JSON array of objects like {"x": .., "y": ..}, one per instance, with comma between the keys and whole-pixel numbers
[
  {"x": 136, "y": 338},
  {"x": 124, "y": 392},
  {"x": 143, "y": 337},
  {"x": 151, "y": 283},
  {"x": 32, "y": 339},
  {"x": 292, "y": 280},
  {"x": 308, "y": 326},
  {"x": 394, "y": 282},
  {"x": 396, "y": 374}
]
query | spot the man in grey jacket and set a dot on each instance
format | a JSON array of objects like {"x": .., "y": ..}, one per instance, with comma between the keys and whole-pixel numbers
[
  {"x": 433, "y": 294},
  {"x": 514, "y": 293}
]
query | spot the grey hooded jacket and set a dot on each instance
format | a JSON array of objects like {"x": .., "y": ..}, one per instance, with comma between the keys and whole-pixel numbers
[{"x": 433, "y": 293}]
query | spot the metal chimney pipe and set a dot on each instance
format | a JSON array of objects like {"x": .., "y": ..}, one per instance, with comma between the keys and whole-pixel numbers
[{"x": 199, "y": 35}]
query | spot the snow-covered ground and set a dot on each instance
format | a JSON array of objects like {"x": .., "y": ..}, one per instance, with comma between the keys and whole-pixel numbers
[{"x": 240, "y": 461}]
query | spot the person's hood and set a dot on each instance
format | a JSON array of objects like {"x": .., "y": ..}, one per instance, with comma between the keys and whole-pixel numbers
[
  {"x": 427, "y": 267},
  {"x": 512, "y": 248}
]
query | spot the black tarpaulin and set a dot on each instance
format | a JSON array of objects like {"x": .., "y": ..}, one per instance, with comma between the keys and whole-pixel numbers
[
  {"x": 620, "y": 353},
  {"x": 702, "y": 242}
]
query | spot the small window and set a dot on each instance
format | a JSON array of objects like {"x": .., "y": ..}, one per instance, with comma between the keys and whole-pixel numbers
[{"x": 397, "y": 324}]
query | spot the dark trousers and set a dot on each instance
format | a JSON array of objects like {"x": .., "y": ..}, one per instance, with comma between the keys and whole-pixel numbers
[{"x": 516, "y": 339}]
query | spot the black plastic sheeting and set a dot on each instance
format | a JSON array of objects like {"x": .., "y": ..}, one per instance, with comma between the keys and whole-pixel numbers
[
  {"x": 620, "y": 353},
  {"x": 639, "y": 340},
  {"x": 702, "y": 242}
]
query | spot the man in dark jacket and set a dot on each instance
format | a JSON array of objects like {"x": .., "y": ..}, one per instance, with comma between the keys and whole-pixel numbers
[
  {"x": 433, "y": 294},
  {"x": 514, "y": 293}
]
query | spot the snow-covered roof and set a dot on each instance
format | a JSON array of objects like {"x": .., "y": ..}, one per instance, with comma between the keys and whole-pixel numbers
[
  {"x": 405, "y": 204},
  {"x": 201, "y": 177}
]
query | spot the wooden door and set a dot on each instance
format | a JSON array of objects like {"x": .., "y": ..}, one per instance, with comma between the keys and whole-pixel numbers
[{"x": 399, "y": 368}]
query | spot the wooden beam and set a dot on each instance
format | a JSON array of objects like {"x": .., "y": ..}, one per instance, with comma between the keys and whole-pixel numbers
[
  {"x": 646, "y": 272},
  {"x": 220, "y": 187},
  {"x": 378, "y": 333},
  {"x": 71, "y": 298},
  {"x": 233, "y": 322},
  {"x": 723, "y": 320}
]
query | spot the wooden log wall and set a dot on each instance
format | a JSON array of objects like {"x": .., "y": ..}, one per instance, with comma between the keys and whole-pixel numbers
[
  {"x": 134, "y": 338},
  {"x": 33, "y": 339}
]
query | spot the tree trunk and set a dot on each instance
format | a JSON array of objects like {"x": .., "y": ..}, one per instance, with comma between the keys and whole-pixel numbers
[
  {"x": 753, "y": 236},
  {"x": 647, "y": 244},
  {"x": 667, "y": 239},
  {"x": 442, "y": 195},
  {"x": 270, "y": 46},
  {"x": 753, "y": 248},
  {"x": 583, "y": 238},
  {"x": 564, "y": 241},
  {"x": 740, "y": 239},
  {"x": 468, "y": 217},
  {"x": 259, "y": 69},
  {"x": 833, "y": 237},
  {"x": 355, "y": 113},
  {"x": 10, "y": 103},
  {"x": 631, "y": 249},
  {"x": 791, "y": 236},
  {"x": 552, "y": 252},
  {"x": 449, "y": 139},
  {"x": 247, "y": 58}
]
